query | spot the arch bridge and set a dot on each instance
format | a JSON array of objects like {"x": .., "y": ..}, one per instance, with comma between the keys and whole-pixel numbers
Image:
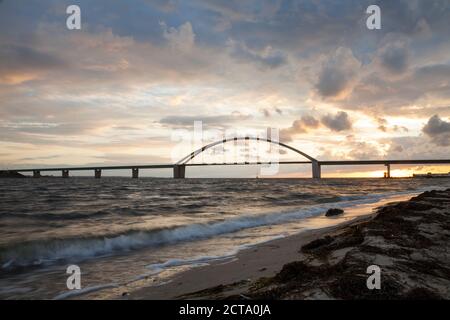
[{"x": 179, "y": 168}]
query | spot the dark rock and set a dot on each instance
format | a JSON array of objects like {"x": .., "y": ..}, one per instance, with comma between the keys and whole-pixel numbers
[
  {"x": 350, "y": 238},
  {"x": 317, "y": 243},
  {"x": 295, "y": 271},
  {"x": 334, "y": 212}
]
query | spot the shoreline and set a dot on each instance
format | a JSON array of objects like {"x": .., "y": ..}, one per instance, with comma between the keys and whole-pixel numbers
[{"x": 232, "y": 277}]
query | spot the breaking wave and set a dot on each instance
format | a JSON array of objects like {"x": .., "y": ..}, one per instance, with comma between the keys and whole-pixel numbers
[{"x": 54, "y": 250}]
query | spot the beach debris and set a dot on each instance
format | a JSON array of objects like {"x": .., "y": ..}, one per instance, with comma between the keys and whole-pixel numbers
[
  {"x": 334, "y": 212},
  {"x": 407, "y": 241}
]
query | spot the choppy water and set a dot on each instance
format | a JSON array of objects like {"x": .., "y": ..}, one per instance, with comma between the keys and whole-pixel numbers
[{"x": 122, "y": 231}]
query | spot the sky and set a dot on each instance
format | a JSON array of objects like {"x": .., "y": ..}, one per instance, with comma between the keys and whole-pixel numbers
[{"x": 120, "y": 90}]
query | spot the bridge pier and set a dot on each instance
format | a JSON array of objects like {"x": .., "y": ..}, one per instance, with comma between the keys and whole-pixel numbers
[
  {"x": 316, "y": 170},
  {"x": 65, "y": 173},
  {"x": 387, "y": 174},
  {"x": 135, "y": 173},
  {"x": 179, "y": 171},
  {"x": 98, "y": 173},
  {"x": 36, "y": 174}
]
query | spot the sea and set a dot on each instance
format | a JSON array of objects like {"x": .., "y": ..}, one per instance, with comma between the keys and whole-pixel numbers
[{"x": 124, "y": 234}]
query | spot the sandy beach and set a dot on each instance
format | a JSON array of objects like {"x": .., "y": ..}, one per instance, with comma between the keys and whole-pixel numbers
[{"x": 408, "y": 240}]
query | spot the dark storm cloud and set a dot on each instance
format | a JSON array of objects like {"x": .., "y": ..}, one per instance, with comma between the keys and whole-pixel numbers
[
  {"x": 302, "y": 125},
  {"x": 436, "y": 126},
  {"x": 321, "y": 24},
  {"x": 438, "y": 130},
  {"x": 332, "y": 81},
  {"x": 337, "y": 73},
  {"x": 407, "y": 16},
  {"x": 337, "y": 122},
  {"x": 394, "y": 57},
  {"x": 20, "y": 58}
]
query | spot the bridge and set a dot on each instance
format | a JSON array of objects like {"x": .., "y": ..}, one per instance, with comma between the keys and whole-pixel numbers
[{"x": 179, "y": 168}]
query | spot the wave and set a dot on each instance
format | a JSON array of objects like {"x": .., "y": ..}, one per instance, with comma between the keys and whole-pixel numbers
[
  {"x": 78, "y": 292},
  {"x": 73, "y": 249},
  {"x": 47, "y": 251}
]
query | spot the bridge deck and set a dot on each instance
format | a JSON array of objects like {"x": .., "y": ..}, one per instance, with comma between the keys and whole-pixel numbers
[
  {"x": 151, "y": 166},
  {"x": 368, "y": 162},
  {"x": 169, "y": 166},
  {"x": 179, "y": 169}
]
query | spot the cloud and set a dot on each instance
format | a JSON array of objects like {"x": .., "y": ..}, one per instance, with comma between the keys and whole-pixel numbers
[
  {"x": 404, "y": 147},
  {"x": 337, "y": 74},
  {"x": 299, "y": 126},
  {"x": 20, "y": 63},
  {"x": 266, "y": 113},
  {"x": 395, "y": 56},
  {"x": 266, "y": 57},
  {"x": 181, "y": 38},
  {"x": 40, "y": 158},
  {"x": 125, "y": 69},
  {"x": 188, "y": 121},
  {"x": 337, "y": 122},
  {"x": 422, "y": 91},
  {"x": 438, "y": 130},
  {"x": 383, "y": 126},
  {"x": 415, "y": 147},
  {"x": 364, "y": 151},
  {"x": 164, "y": 5},
  {"x": 351, "y": 148}
]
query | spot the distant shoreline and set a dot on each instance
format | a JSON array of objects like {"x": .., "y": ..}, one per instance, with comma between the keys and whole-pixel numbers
[
  {"x": 6, "y": 174},
  {"x": 408, "y": 240},
  {"x": 11, "y": 175}
]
